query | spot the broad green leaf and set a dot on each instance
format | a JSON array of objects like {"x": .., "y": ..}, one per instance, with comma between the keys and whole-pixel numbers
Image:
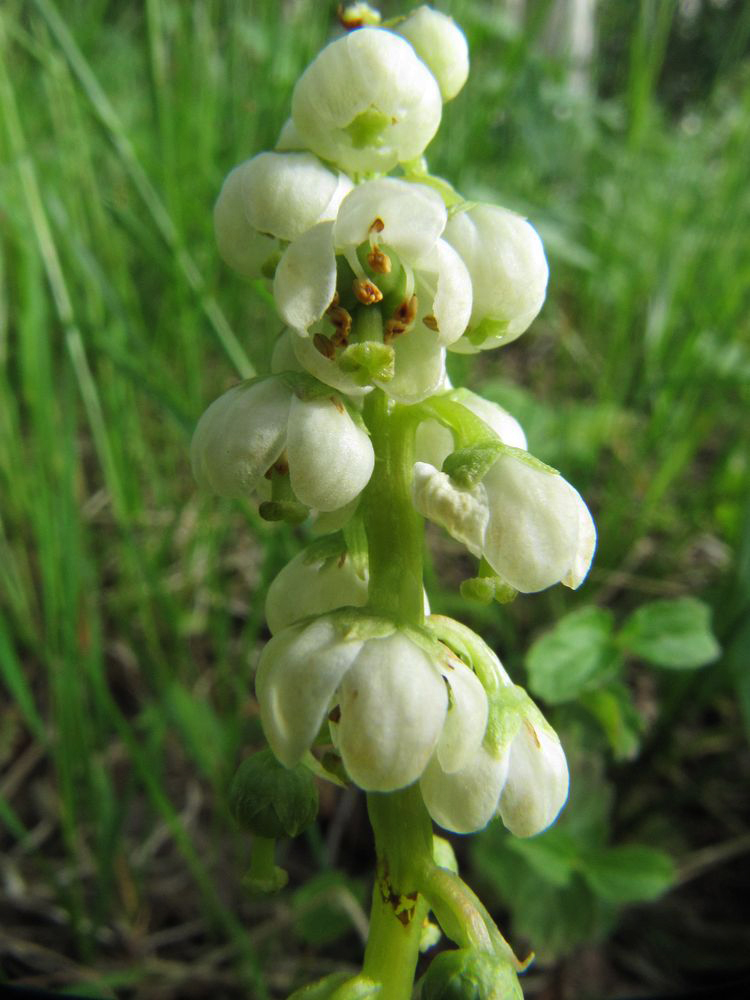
[
  {"x": 628, "y": 874},
  {"x": 612, "y": 706},
  {"x": 552, "y": 855},
  {"x": 577, "y": 655},
  {"x": 675, "y": 634}
]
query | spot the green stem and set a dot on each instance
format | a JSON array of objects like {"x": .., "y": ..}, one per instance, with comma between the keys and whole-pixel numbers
[
  {"x": 403, "y": 845},
  {"x": 394, "y": 529}
]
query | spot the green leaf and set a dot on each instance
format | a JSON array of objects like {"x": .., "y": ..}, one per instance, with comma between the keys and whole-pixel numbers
[
  {"x": 674, "y": 634},
  {"x": 552, "y": 855},
  {"x": 323, "y": 908},
  {"x": 577, "y": 655},
  {"x": 612, "y": 707},
  {"x": 628, "y": 874}
]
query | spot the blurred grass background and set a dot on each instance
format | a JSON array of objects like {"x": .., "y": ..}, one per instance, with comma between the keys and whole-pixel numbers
[{"x": 131, "y": 607}]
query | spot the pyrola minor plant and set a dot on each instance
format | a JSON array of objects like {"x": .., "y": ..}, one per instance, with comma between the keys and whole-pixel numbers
[{"x": 378, "y": 268}]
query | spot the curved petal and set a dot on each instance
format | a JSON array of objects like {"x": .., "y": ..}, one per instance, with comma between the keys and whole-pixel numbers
[
  {"x": 330, "y": 458},
  {"x": 463, "y": 513},
  {"x": 299, "y": 671},
  {"x": 433, "y": 443},
  {"x": 420, "y": 366},
  {"x": 239, "y": 243},
  {"x": 413, "y": 217},
  {"x": 451, "y": 307},
  {"x": 305, "y": 588},
  {"x": 240, "y": 436},
  {"x": 305, "y": 279},
  {"x": 585, "y": 547},
  {"x": 466, "y": 720},
  {"x": 532, "y": 532},
  {"x": 537, "y": 784},
  {"x": 393, "y": 704},
  {"x": 466, "y": 800},
  {"x": 440, "y": 43}
]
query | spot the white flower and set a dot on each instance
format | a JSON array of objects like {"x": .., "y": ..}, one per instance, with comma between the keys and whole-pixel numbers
[
  {"x": 434, "y": 442},
  {"x": 508, "y": 269},
  {"x": 271, "y": 197},
  {"x": 391, "y": 705},
  {"x": 530, "y": 525},
  {"x": 440, "y": 43},
  {"x": 259, "y": 426},
  {"x": 518, "y": 772},
  {"x": 380, "y": 274},
  {"x": 367, "y": 102},
  {"x": 306, "y": 587}
]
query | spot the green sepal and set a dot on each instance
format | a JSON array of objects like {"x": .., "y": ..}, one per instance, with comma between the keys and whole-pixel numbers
[
  {"x": 270, "y": 800},
  {"x": 339, "y": 986},
  {"x": 324, "y": 549},
  {"x": 290, "y": 511},
  {"x": 330, "y": 768},
  {"x": 468, "y": 647},
  {"x": 355, "y": 538},
  {"x": 368, "y": 361},
  {"x": 470, "y": 974},
  {"x": 354, "y": 624},
  {"x": 467, "y": 467},
  {"x": 486, "y": 330},
  {"x": 508, "y": 706}
]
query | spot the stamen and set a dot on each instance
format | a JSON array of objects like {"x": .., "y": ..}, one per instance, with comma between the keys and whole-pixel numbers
[
  {"x": 342, "y": 321},
  {"x": 324, "y": 346},
  {"x": 353, "y": 261},
  {"x": 377, "y": 225},
  {"x": 379, "y": 262},
  {"x": 366, "y": 291},
  {"x": 409, "y": 276},
  {"x": 402, "y": 320},
  {"x": 431, "y": 323}
]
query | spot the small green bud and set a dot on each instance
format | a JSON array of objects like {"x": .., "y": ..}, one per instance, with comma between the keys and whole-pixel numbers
[
  {"x": 271, "y": 800},
  {"x": 464, "y": 974}
]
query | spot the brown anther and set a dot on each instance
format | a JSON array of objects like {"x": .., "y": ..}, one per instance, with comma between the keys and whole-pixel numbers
[
  {"x": 324, "y": 345},
  {"x": 334, "y": 301},
  {"x": 338, "y": 404},
  {"x": 401, "y": 320},
  {"x": 379, "y": 262},
  {"x": 392, "y": 329},
  {"x": 342, "y": 320},
  {"x": 366, "y": 291},
  {"x": 377, "y": 225},
  {"x": 431, "y": 323},
  {"x": 335, "y": 714}
]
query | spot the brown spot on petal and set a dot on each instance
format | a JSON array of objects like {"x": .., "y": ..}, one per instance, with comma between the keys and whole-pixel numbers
[
  {"x": 335, "y": 714},
  {"x": 338, "y": 404},
  {"x": 431, "y": 323},
  {"x": 534, "y": 736}
]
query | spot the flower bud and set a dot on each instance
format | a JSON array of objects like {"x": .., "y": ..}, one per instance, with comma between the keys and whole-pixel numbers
[
  {"x": 441, "y": 45},
  {"x": 304, "y": 588},
  {"x": 508, "y": 269},
  {"x": 468, "y": 974},
  {"x": 270, "y": 800},
  {"x": 273, "y": 196},
  {"x": 367, "y": 102}
]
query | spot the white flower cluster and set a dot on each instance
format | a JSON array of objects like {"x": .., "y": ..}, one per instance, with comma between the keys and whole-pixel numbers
[{"x": 375, "y": 277}]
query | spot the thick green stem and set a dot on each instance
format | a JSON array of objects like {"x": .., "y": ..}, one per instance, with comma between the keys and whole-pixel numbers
[
  {"x": 394, "y": 529},
  {"x": 403, "y": 845}
]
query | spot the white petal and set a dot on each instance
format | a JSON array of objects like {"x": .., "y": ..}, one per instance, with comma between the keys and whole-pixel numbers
[
  {"x": 466, "y": 800},
  {"x": 532, "y": 533},
  {"x": 305, "y": 278},
  {"x": 433, "y": 443},
  {"x": 367, "y": 70},
  {"x": 299, "y": 671},
  {"x": 326, "y": 369},
  {"x": 508, "y": 268},
  {"x": 305, "y": 588},
  {"x": 240, "y": 245},
  {"x": 585, "y": 547},
  {"x": 463, "y": 513},
  {"x": 451, "y": 306},
  {"x": 413, "y": 217},
  {"x": 440, "y": 43},
  {"x": 240, "y": 436},
  {"x": 466, "y": 720},
  {"x": 393, "y": 704},
  {"x": 420, "y": 366},
  {"x": 330, "y": 458},
  {"x": 283, "y": 358},
  {"x": 286, "y": 194},
  {"x": 537, "y": 784},
  {"x": 289, "y": 141}
]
